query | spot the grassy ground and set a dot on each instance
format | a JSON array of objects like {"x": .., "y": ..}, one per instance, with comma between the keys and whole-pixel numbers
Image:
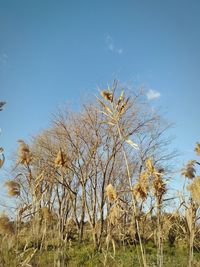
[{"x": 84, "y": 255}]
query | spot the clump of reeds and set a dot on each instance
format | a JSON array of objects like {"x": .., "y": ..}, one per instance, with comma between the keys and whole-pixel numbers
[
  {"x": 194, "y": 201},
  {"x": 24, "y": 154},
  {"x": 114, "y": 108},
  {"x": 111, "y": 193},
  {"x": 6, "y": 227},
  {"x": 151, "y": 180},
  {"x": 13, "y": 188}
]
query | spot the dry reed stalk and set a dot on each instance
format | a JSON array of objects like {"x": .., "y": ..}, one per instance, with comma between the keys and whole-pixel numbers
[
  {"x": 191, "y": 223},
  {"x": 159, "y": 188},
  {"x": 191, "y": 211},
  {"x": 153, "y": 178},
  {"x": 114, "y": 109}
]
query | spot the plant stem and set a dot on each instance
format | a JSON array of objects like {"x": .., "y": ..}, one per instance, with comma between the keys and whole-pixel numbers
[{"x": 133, "y": 200}]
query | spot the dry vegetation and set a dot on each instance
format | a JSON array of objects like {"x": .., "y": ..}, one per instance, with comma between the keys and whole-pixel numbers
[{"x": 94, "y": 190}]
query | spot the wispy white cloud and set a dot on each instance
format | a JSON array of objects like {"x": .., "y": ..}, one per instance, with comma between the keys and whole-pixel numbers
[
  {"x": 152, "y": 94},
  {"x": 111, "y": 46},
  {"x": 120, "y": 51}
]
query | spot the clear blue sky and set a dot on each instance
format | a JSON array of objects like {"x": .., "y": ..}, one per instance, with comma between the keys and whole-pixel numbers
[{"x": 56, "y": 52}]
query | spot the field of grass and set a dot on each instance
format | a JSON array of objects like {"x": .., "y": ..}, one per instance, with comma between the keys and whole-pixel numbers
[{"x": 84, "y": 255}]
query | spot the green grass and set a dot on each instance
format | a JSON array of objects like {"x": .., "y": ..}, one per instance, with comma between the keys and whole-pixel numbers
[{"x": 78, "y": 255}]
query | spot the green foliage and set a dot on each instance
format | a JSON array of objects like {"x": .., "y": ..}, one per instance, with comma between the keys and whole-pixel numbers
[{"x": 77, "y": 255}]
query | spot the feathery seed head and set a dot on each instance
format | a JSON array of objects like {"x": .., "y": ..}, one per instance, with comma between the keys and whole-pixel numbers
[
  {"x": 107, "y": 95},
  {"x": 60, "y": 160},
  {"x": 111, "y": 193},
  {"x": 189, "y": 170},
  {"x": 141, "y": 188},
  {"x": 159, "y": 185},
  {"x": 194, "y": 189},
  {"x": 13, "y": 188},
  {"x": 197, "y": 149},
  {"x": 24, "y": 153}
]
